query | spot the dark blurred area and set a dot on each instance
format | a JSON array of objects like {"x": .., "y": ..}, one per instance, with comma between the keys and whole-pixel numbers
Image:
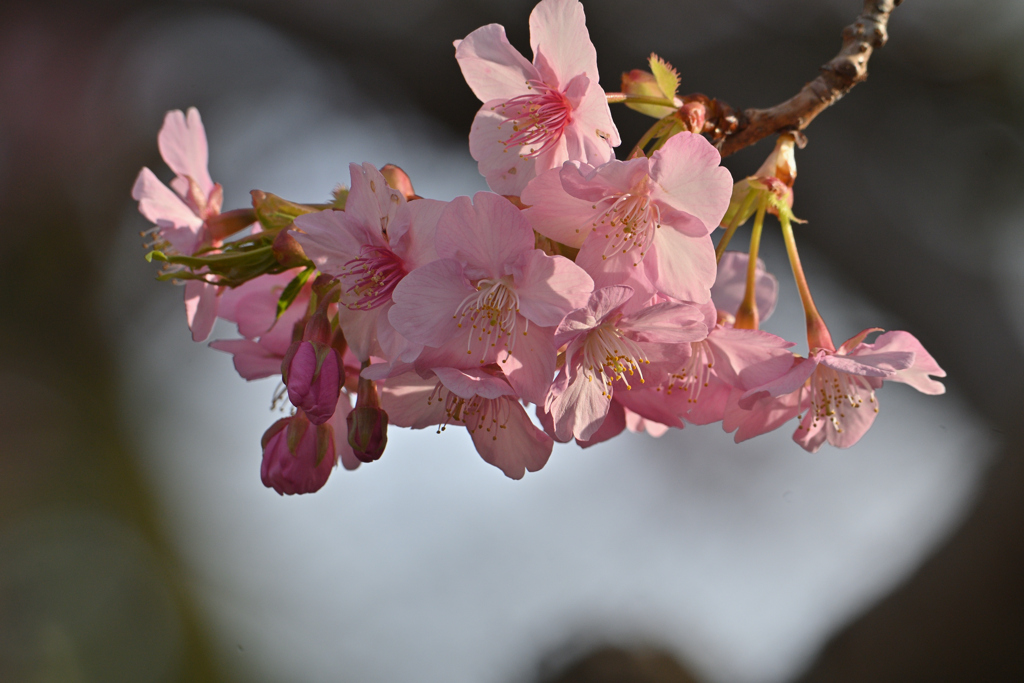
[{"x": 913, "y": 186}]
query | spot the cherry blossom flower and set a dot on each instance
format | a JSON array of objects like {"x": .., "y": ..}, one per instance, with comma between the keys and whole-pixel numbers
[
  {"x": 836, "y": 390},
  {"x": 653, "y": 215},
  {"x": 609, "y": 341},
  {"x": 490, "y": 297},
  {"x": 370, "y": 247},
  {"x": 482, "y": 400},
  {"x": 536, "y": 116},
  {"x": 181, "y": 216}
]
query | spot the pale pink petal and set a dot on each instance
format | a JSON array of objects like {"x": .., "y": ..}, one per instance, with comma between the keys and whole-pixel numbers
[
  {"x": 252, "y": 360},
  {"x": 395, "y": 346},
  {"x": 636, "y": 423},
  {"x": 810, "y": 435},
  {"x": 371, "y": 203},
  {"x": 182, "y": 144},
  {"x": 665, "y": 323},
  {"x": 338, "y": 422},
  {"x": 650, "y": 404},
  {"x": 855, "y": 422},
  {"x": 253, "y": 305},
  {"x": 689, "y": 172},
  {"x": 924, "y": 365},
  {"x": 549, "y": 287},
  {"x": 360, "y": 330},
  {"x": 787, "y": 384},
  {"x": 749, "y": 358},
  {"x": 473, "y": 382},
  {"x": 517, "y": 446},
  {"x": 178, "y": 224},
  {"x": 200, "y": 308},
  {"x": 579, "y": 411},
  {"x": 555, "y": 213},
  {"x": 407, "y": 401},
  {"x": 680, "y": 266},
  {"x": 506, "y": 171},
  {"x": 599, "y": 305},
  {"x": 731, "y": 285},
  {"x": 604, "y": 182},
  {"x": 530, "y": 366},
  {"x": 484, "y": 234},
  {"x": 491, "y": 66},
  {"x": 613, "y": 425},
  {"x": 558, "y": 31},
  {"x": 711, "y": 404},
  {"x": 592, "y": 120},
  {"x": 412, "y": 234},
  {"x": 763, "y": 416},
  {"x": 870, "y": 365},
  {"x": 330, "y": 239},
  {"x": 426, "y": 301}
]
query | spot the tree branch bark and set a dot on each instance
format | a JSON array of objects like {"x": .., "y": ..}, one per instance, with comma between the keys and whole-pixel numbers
[{"x": 837, "y": 77}]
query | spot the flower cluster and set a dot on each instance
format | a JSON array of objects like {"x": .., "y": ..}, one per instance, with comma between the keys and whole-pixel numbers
[{"x": 585, "y": 288}]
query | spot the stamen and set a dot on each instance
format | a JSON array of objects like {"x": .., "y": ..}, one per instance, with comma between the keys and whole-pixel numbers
[
  {"x": 695, "y": 374},
  {"x": 493, "y": 312},
  {"x": 629, "y": 221},
  {"x": 610, "y": 356},
  {"x": 537, "y": 119},
  {"x": 372, "y": 277}
]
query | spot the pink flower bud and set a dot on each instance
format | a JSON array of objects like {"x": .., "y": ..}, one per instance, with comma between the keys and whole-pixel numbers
[
  {"x": 398, "y": 180},
  {"x": 314, "y": 375},
  {"x": 297, "y": 457},
  {"x": 367, "y": 423}
]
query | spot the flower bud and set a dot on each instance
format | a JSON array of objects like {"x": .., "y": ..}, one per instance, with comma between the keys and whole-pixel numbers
[
  {"x": 367, "y": 423},
  {"x": 275, "y": 213},
  {"x": 297, "y": 456},
  {"x": 288, "y": 251},
  {"x": 398, "y": 180},
  {"x": 644, "y": 84},
  {"x": 313, "y": 373},
  {"x": 224, "y": 225}
]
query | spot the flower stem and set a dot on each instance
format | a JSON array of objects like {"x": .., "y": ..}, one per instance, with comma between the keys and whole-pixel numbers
[
  {"x": 651, "y": 133},
  {"x": 621, "y": 97},
  {"x": 736, "y": 221},
  {"x": 747, "y": 316},
  {"x": 817, "y": 332}
]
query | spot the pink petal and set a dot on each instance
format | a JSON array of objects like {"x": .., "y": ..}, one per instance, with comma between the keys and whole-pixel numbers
[
  {"x": 253, "y": 305},
  {"x": 252, "y": 360},
  {"x": 688, "y": 170},
  {"x": 371, "y": 203},
  {"x": 764, "y": 415},
  {"x": 607, "y": 181},
  {"x": 680, "y": 266},
  {"x": 485, "y": 234},
  {"x": 749, "y": 358},
  {"x": 651, "y": 405},
  {"x": 530, "y": 366},
  {"x": 579, "y": 411},
  {"x": 555, "y": 213},
  {"x": 599, "y": 305},
  {"x": 491, "y": 66},
  {"x": 330, "y": 239},
  {"x": 200, "y": 308},
  {"x": 183, "y": 146},
  {"x": 475, "y": 382},
  {"x": 592, "y": 121},
  {"x": 924, "y": 365},
  {"x": 731, "y": 285},
  {"x": 426, "y": 301},
  {"x": 613, "y": 425},
  {"x": 636, "y": 423},
  {"x": 406, "y": 399},
  {"x": 549, "y": 287},
  {"x": 787, "y": 384},
  {"x": 870, "y": 365},
  {"x": 178, "y": 224},
  {"x": 558, "y": 30},
  {"x": 666, "y": 323},
  {"x": 517, "y": 448},
  {"x": 412, "y": 234},
  {"x": 809, "y": 435},
  {"x": 505, "y": 170},
  {"x": 341, "y": 446}
]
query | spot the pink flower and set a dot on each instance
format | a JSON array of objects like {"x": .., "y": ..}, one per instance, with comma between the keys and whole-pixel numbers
[
  {"x": 490, "y": 297},
  {"x": 610, "y": 340},
  {"x": 836, "y": 389},
  {"x": 484, "y": 402},
  {"x": 653, "y": 215},
  {"x": 370, "y": 247},
  {"x": 297, "y": 456},
  {"x": 181, "y": 216},
  {"x": 536, "y": 116}
]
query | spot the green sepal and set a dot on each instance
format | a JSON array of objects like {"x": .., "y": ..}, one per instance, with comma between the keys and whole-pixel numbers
[
  {"x": 276, "y": 213},
  {"x": 665, "y": 75},
  {"x": 291, "y": 291}
]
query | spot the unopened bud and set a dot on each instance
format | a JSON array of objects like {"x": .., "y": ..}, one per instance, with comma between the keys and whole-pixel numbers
[
  {"x": 288, "y": 251},
  {"x": 693, "y": 115},
  {"x": 398, "y": 180},
  {"x": 314, "y": 375},
  {"x": 226, "y": 224},
  {"x": 367, "y": 423},
  {"x": 275, "y": 213},
  {"x": 297, "y": 456},
  {"x": 644, "y": 84}
]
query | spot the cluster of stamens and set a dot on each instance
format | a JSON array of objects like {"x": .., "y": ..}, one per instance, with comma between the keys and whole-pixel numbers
[
  {"x": 493, "y": 312},
  {"x": 476, "y": 413},
  {"x": 833, "y": 393},
  {"x": 610, "y": 356},
  {"x": 629, "y": 223},
  {"x": 695, "y": 374},
  {"x": 537, "y": 119},
  {"x": 372, "y": 277}
]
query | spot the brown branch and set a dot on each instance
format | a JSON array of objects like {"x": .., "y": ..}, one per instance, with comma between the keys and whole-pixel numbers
[{"x": 846, "y": 70}]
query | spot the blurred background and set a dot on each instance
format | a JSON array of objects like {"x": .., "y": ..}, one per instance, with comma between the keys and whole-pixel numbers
[{"x": 138, "y": 544}]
